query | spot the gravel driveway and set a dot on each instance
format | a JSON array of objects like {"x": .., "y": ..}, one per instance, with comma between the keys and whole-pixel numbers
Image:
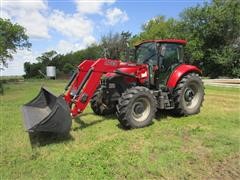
[{"x": 223, "y": 82}]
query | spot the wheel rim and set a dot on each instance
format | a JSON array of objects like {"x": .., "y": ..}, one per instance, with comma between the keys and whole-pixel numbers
[
  {"x": 192, "y": 95},
  {"x": 141, "y": 109}
]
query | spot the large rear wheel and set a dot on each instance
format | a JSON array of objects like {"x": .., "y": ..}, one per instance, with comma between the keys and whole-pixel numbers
[
  {"x": 189, "y": 95},
  {"x": 136, "y": 108}
]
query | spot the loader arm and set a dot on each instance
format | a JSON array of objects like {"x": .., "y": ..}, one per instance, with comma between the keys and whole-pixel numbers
[
  {"x": 85, "y": 81},
  {"x": 50, "y": 113}
]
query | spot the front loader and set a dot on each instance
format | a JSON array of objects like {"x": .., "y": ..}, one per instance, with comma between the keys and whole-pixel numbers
[{"x": 134, "y": 91}]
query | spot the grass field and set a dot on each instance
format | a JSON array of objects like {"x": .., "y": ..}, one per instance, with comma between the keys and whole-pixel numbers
[{"x": 202, "y": 146}]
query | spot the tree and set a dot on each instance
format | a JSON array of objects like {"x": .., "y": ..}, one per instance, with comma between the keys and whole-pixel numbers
[
  {"x": 47, "y": 57},
  {"x": 213, "y": 34},
  {"x": 115, "y": 45},
  {"x": 64, "y": 63},
  {"x": 157, "y": 28},
  {"x": 12, "y": 37},
  {"x": 32, "y": 70},
  {"x": 68, "y": 68}
]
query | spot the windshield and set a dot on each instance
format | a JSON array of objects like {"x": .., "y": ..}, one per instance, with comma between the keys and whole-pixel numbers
[{"x": 145, "y": 53}]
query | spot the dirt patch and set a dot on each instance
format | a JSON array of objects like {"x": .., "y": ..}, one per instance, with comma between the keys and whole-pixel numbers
[
  {"x": 228, "y": 81},
  {"x": 224, "y": 81},
  {"x": 229, "y": 168}
]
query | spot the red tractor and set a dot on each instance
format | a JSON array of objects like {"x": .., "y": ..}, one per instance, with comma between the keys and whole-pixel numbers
[{"x": 134, "y": 91}]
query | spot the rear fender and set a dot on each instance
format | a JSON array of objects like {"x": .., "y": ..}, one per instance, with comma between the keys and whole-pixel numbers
[{"x": 178, "y": 72}]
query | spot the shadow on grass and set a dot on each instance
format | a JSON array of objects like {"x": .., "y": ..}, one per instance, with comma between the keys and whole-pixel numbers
[
  {"x": 39, "y": 139},
  {"x": 83, "y": 125},
  {"x": 45, "y": 138},
  {"x": 163, "y": 114},
  {"x": 159, "y": 116}
]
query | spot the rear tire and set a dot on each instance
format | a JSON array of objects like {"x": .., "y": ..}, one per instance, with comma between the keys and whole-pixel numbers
[
  {"x": 99, "y": 106},
  {"x": 136, "y": 108},
  {"x": 188, "y": 95}
]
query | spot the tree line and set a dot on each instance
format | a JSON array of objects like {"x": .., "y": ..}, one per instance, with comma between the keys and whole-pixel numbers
[
  {"x": 111, "y": 46},
  {"x": 211, "y": 29},
  {"x": 213, "y": 34}
]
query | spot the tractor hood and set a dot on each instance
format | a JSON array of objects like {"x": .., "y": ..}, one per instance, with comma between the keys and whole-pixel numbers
[{"x": 130, "y": 69}]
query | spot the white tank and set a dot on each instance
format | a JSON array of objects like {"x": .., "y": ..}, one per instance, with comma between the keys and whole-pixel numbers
[{"x": 51, "y": 71}]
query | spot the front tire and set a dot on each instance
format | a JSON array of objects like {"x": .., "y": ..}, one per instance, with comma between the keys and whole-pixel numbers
[
  {"x": 99, "y": 104},
  {"x": 136, "y": 108},
  {"x": 188, "y": 95}
]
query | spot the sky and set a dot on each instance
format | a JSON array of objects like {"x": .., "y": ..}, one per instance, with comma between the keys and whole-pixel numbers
[{"x": 71, "y": 25}]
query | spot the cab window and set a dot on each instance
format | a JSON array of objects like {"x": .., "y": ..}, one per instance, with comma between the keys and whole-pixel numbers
[
  {"x": 173, "y": 54},
  {"x": 146, "y": 54}
]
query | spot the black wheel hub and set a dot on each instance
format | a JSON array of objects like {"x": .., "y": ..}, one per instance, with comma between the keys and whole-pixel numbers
[
  {"x": 189, "y": 94},
  {"x": 139, "y": 108}
]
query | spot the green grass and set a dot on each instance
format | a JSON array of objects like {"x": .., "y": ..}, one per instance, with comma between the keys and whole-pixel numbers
[{"x": 171, "y": 148}]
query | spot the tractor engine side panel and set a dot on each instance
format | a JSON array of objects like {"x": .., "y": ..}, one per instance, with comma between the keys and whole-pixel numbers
[
  {"x": 178, "y": 72},
  {"x": 131, "y": 73},
  {"x": 115, "y": 85}
]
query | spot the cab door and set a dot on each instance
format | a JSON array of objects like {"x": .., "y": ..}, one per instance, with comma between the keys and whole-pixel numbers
[
  {"x": 147, "y": 54},
  {"x": 171, "y": 56}
]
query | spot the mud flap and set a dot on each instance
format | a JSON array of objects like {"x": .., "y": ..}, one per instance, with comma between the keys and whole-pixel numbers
[{"x": 47, "y": 113}]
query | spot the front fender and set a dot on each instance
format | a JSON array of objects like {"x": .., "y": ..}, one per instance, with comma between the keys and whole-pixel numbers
[{"x": 178, "y": 72}]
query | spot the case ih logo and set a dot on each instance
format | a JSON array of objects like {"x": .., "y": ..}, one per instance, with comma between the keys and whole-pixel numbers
[{"x": 110, "y": 63}]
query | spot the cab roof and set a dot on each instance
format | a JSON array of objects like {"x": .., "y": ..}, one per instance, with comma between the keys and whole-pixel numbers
[{"x": 177, "y": 41}]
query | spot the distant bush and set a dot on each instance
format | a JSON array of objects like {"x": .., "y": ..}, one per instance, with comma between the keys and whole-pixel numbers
[{"x": 6, "y": 79}]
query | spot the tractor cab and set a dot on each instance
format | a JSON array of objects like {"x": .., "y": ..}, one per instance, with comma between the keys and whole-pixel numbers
[{"x": 162, "y": 56}]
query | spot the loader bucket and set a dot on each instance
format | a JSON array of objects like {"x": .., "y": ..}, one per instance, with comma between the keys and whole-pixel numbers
[{"x": 47, "y": 113}]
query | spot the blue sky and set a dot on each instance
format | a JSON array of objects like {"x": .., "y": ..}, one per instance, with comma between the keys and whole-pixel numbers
[{"x": 71, "y": 25}]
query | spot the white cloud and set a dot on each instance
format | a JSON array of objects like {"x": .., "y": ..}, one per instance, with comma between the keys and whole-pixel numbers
[
  {"x": 92, "y": 6},
  {"x": 64, "y": 46},
  {"x": 116, "y": 15},
  {"x": 89, "y": 40},
  {"x": 71, "y": 25},
  {"x": 77, "y": 27},
  {"x": 29, "y": 14},
  {"x": 15, "y": 67}
]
